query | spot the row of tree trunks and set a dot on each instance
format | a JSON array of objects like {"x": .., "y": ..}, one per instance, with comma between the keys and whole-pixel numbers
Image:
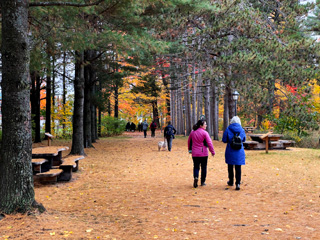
[{"x": 187, "y": 108}]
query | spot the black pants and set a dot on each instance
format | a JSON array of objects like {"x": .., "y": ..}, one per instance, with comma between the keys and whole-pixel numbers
[
  {"x": 153, "y": 132},
  {"x": 238, "y": 173},
  {"x": 197, "y": 162},
  {"x": 145, "y": 133}
]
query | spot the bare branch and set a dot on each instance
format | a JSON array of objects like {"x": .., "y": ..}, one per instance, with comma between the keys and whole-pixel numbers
[{"x": 67, "y": 4}]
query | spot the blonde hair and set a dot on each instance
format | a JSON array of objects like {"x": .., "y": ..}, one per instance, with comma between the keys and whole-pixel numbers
[{"x": 235, "y": 119}]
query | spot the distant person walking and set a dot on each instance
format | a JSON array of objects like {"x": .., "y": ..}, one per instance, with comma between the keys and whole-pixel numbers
[
  {"x": 139, "y": 127},
  {"x": 234, "y": 155},
  {"x": 169, "y": 132},
  {"x": 133, "y": 127},
  {"x": 198, "y": 143},
  {"x": 128, "y": 126},
  {"x": 153, "y": 127},
  {"x": 145, "y": 128}
]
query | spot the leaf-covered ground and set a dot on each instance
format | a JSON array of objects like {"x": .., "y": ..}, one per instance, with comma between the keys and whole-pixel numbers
[{"x": 127, "y": 189}]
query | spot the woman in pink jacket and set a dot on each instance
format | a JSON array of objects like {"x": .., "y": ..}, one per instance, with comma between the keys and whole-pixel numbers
[{"x": 198, "y": 143}]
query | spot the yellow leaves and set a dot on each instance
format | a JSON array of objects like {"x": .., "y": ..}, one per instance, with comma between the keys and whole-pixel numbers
[
  {"x": 67, "y": 233},
  {"x": 89, "y": 230},
  {"x": 52, "y": 233}
]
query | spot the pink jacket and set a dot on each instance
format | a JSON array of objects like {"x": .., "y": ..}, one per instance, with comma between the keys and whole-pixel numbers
[{"x": 196, "y": 143}]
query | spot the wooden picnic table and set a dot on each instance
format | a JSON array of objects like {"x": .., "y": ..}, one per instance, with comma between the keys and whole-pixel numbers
[
  {"x": 52, "y": 153},
  {"x": 267, "y": 141},
  {"x": 259, "y": 137}
]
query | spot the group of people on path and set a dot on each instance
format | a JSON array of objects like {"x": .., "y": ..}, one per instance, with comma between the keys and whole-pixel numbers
[
  {"x": 153, "y": 127},
  {"x": 199, "y": 142}
]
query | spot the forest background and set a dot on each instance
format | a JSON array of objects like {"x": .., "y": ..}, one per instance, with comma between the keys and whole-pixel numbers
[{"x": 106, "y": 60}]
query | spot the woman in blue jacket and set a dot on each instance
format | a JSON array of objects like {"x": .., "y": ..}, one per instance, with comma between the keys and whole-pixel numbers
[{"x": 234, "y": 157}]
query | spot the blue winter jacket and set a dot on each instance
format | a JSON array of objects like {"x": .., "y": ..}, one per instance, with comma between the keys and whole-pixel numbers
[{"x": 234, "y": 157}]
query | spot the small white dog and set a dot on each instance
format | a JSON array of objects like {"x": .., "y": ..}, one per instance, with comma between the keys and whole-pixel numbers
[{"x": 163, "y": 145}]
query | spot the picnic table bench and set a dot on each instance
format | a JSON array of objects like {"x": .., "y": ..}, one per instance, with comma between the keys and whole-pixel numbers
[
  {"x": 267, "y": 141},
  {"x": 69, "y": 164},
  {"x": 49, "y": 176},
  {"x": 43, "y": 160},
  {"x": 52, "y": 153},
  {"x": 38, "y": 165}
]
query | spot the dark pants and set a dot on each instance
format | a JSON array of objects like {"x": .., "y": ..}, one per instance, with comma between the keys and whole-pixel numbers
[
  {"x": 145, "y": 133},
  {"x": 197, "y": 162},
  {"x": 169, "y": 140},
  {"x": 153, "y": 132},
  {"x": 231, "y": 175}
]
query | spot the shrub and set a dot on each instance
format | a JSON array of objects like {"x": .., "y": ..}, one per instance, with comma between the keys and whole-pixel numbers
[{"x": 111, "y": 126}]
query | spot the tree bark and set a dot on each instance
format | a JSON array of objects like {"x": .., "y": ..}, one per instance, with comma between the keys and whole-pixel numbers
[
  {"x": 116, "y": 101},
  {"x": 207, "y": 105},
  {"x": 226, "y": 109},
  {"x": 64, "y": 93},
  {"x": 189, "y": 124},
  {"x": 16, "y": 180},
  {"x": 87, "y": 104},
  {"x": 48, "y": 93},
  {"x": 77, "y": 136},
  {"x": 35, "y": 105},
  {"x": 215, "y": 110}
]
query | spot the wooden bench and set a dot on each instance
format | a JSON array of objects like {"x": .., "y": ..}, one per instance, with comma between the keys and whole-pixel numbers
[
  {"x": 281, "y": 144},
  {"x": 49, "y": 176},
  {"x": 38, "y": 165},
  {"x": 250, "y": 144},
  {"x": 69, "y": 164}
]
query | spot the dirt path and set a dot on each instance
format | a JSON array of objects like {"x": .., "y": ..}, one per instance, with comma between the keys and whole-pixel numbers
[{"x": 127, "y": 189}]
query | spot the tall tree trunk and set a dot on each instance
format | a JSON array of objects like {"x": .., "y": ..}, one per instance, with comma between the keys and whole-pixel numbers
[
  {"x": 189, "y": 124},
  {"x": 199, "y": 98},
  {"x": 180, "y": 120},
  {"x": 53, "y": 88},
  {"x": 16, "y": 180},
  {"x": 155, "y": 112},
  {"x": 215, "y": 110},
  {"x": 77, "y": 136},
  {"x": 116, "y": 101},
  {"x": 87, "y": 103},
  {"x": 226, "y": 109},
  {"x": 99, "y": 123},
  {"x": 194, "y": 99},
  {"x": 35, "y": 105},
  {"x": 48, "y": 92},
  {"x": 168, "y": 96},
  {"x": 207, "y": 105},
  {"x": 64, "y": 93}
]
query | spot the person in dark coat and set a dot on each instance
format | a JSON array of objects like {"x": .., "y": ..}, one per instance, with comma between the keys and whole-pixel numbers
[
  {"x": 153, "y": 127},
  {"x": 139, "y": 127},
  {"x": 133, "y": 127},
  {"x": 145, "y": 128},
  {"x": 128, "y": 127},
  {"x": 234, "y": 158},
  {"x": 169, "y": 132}
]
